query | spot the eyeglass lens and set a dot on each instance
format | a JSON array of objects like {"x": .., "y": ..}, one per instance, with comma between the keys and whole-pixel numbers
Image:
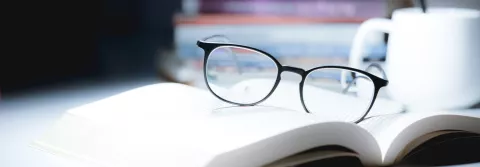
[{"x": 246, "y": 76}]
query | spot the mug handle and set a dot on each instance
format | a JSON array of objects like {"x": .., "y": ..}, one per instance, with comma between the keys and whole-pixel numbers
[{"x": 357, "y": 52}]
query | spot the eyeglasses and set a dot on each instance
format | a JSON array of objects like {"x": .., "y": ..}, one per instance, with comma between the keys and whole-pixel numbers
[{"x": 246, "y": 76}]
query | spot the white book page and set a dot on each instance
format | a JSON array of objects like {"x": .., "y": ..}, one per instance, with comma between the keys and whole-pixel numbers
[
  {"x": 334, "y": 106},
  {"x": 158, "y": 101},
  {"x": 165, "y": 124},
  {"x": 287, "y": 96},
  {"x": 267, "y": 134},
  {"x": 118, "y": 130},
  {"x": 394, "y": 132}
]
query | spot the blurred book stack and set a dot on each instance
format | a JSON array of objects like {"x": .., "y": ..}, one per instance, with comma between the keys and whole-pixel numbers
[{"x": 304, "y": 33}]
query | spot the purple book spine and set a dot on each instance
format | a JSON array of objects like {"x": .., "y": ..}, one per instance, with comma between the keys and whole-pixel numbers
[{"x": 304, "y": 8}]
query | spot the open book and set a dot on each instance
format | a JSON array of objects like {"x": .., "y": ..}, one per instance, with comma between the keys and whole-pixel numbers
[{"x": 170, "y": 124}]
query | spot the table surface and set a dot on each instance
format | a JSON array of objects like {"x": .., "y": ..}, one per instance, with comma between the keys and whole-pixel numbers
[{"x": 26, "y": 117}]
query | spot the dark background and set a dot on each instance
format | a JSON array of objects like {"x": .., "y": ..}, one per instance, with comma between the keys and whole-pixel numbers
[{"x": 53, "y": 42}]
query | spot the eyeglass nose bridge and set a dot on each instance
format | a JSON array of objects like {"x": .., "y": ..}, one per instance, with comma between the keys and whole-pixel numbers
[{"x": 295, "y": 70}]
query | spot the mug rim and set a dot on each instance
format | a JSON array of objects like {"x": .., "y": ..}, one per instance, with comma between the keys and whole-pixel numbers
[{"x": 441, "y": 12}]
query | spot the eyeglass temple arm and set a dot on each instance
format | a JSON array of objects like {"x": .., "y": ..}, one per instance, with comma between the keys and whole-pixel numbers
[
  {"x": 345, "y": 90},
  {"x": 373, "y": 65},
  {"x": 231, "y": 53},
  {"x": 237, "y": 63},
  {"x": 379, "y": 68}
]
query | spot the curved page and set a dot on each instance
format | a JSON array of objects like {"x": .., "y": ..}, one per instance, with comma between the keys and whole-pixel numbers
[
  {"x": 177, "y": 125},
  {"x": 394, "y": 132},
  {"x": 267, "y": 136}
]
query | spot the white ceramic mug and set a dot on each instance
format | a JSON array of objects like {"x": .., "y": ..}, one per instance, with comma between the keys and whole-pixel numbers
[{"x": 433, "y": 58}]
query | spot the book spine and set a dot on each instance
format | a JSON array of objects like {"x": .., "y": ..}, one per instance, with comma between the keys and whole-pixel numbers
[
  {"x": 239, "y": 19},
  {"x": 293, "y": 51},
  {"x": 305, "y": 8},
  {"x": 289, "y": 40},
  {"x": 293, "y": 33}
]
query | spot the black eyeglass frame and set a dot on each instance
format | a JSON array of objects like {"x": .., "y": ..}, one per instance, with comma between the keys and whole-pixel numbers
[{"x": 208, "y": 47}]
